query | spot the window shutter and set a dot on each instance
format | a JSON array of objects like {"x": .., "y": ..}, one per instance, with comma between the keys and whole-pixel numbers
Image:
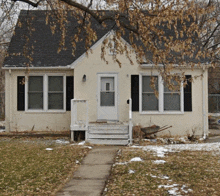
[
  {"x": 69, "y": 92},
  {"x": 20, "y": 93},
  {"x": 188, "y": 95},
  {"x": 135, "y": 92}
]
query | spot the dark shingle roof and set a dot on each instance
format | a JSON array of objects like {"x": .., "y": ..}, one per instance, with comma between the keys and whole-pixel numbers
[{"x": 43, "y": 45}]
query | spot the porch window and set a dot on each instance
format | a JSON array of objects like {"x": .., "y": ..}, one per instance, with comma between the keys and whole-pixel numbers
[
  {"x": 166, "y": 101},
  {"x": 46, "y": 93}
]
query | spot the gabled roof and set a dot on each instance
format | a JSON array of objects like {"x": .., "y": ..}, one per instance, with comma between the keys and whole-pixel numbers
[{"x": 42, "y": 45}]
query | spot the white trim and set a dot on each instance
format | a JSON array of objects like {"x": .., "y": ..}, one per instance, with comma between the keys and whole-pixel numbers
[
  {"x": 37, "y": 68},
  {"x": 45, "y": 94},
  {"x": 181, "y": 98},
  {"x": 161, "y": 94},
  {"x": 84, "y": 55},
  {"x": 45, "y": 89},
  {"x": 196, "y": 66},
  {"x": 107, "y": 74},
  {"x": 161, "y": 97}
]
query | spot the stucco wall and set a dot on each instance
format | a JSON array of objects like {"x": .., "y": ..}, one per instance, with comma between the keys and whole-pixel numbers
[
  {"x": 182, "y": 124},
  {"x": 26, "y": 121}
]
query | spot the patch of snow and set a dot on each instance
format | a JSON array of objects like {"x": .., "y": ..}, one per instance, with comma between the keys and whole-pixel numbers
[
  {"x": 120, "y": 163},
  {"x": 159, "y": 162},
  {"x": 136, "y": 159},
  {"x": 153, "y": 176},
  {"x": 174, "y": 191},
  {"x": 81, "y": 143},
  {"x": 183, "y": 139},
  {"x": 185, "y": 190},
  {"x": 160, "y": 151},
  {"x": 89, "y": 147},
  {"x": 165, "y": 177},
  {"x": 49, "y": 148},
  {"x": 162, "y": 177},
  {"x": 135, "y": 146},
  {"x": 62, "y": 142},
  {"x": 131, "y": 171},
  {"x": 77, "y": 162},
  {"x": 167, "y": 186}
]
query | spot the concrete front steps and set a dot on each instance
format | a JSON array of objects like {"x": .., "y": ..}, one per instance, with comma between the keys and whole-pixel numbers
[{"x": 108, "y": 134}]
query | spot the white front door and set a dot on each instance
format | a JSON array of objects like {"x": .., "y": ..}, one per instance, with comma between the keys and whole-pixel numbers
[{"x": 107, "y": 97}]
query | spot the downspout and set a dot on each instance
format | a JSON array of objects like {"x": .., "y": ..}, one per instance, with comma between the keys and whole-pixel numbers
[
  {"x": 204, "y": 105},
  {"x": 9, "y": 100}
]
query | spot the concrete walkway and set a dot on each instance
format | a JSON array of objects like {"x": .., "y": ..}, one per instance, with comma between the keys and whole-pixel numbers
[{"x": 90, "y": 178}]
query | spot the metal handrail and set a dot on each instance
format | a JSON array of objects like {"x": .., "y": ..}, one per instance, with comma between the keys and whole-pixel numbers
[{"x": 130, "y": 122}]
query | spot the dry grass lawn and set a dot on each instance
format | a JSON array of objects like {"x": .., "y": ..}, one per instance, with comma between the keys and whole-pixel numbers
[
  {"x": 27, "y": 168},
  {"x": 183, "y": 173}
]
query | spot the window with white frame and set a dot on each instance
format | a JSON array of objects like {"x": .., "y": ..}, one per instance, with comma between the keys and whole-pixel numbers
[
  {"x": 35, "y": 92},
  {"x": 46, "y": 93},
  {"x": 149, "y": 100},
  {"x": 172, "y": 97},
  {"x": 168, "y": 100}
]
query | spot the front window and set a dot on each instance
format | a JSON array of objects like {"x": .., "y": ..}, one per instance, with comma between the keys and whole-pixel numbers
[
  {"x": 35, "y": 92},
  {"x": 55, "y": 92},
  {"x": 172, "y": 97},
  {"x": 45, "y": 93},
  {"x": 149, "y": 99},
  {"x": 156, "y": 97}
]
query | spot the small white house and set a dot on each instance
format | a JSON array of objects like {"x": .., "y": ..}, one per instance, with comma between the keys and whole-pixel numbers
[{"x": 59, "y": 91}]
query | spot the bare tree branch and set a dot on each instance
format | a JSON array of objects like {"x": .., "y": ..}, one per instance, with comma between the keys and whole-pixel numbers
[{"x": 29, "y": 2}]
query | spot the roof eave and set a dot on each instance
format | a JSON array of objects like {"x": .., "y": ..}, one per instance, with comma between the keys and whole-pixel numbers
[{"x": 7, "y": 67}]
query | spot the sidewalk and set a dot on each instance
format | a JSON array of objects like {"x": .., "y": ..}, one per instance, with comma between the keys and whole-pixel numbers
[{"x": 90, "y": 178}]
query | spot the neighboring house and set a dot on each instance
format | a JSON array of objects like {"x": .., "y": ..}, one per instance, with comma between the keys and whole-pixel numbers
[
  {"x": 214, "y": 97},
  {"x": 38, "y": 97},
  {"x": 2, "y": 86}
]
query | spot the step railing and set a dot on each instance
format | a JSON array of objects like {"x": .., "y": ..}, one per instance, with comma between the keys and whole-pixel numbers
[
  {"x": 78, "y": 124},
  {"x": 130, "y": 125}
]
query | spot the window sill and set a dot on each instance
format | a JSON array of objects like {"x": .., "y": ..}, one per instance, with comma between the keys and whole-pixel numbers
[
  {"x": 161, "y": 113},
  {"x": 45, "y": 112}
]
